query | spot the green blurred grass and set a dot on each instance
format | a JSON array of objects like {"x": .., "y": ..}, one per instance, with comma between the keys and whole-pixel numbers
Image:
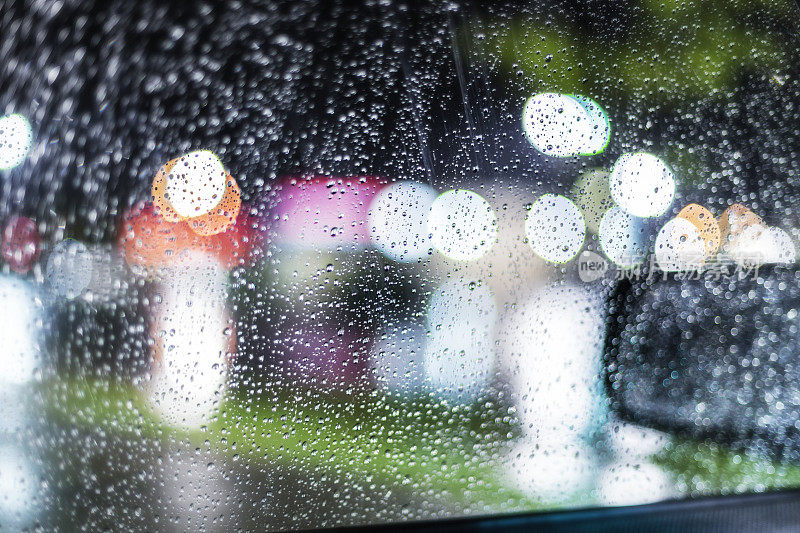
[
  {"x": 707, "y": 468},
  {"x": 420, "y": 446},
  {"x": 450, "y": 453}
]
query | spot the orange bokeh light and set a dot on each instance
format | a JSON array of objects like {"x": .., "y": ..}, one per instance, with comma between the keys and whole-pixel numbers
[{"x": 218, "y": 220}]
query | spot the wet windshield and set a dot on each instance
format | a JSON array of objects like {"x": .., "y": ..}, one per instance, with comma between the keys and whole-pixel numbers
[{"x": 271, "y": 265}]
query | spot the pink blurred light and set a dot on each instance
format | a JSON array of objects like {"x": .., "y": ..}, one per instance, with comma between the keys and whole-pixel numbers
[{"x": 325, "y": 212}]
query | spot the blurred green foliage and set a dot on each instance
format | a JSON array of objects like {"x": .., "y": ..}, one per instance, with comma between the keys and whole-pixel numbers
[{"x": 669, "y": 52}]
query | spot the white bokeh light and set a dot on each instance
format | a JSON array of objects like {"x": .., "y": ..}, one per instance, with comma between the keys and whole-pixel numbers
[
  {"x": 642, "y": 184},
  {"x": 623, "y": 238},
  {"x": 679, "y": 246},
  {"x": 20, "y": 330},
  {"x": 196, "y": 183},
  {"x": 600, "y": 134},
  {"x": 565, "y": 125},
  {"x": 785, "y": 252},
  {"x": 16, "y": 139},
  {"x": 459, "y": 354},
  {"x": 759, "y": 244},
  {"x": 550, "y": 121},
  {"x": 753, "y": 245},
  {"x": 190, "y": 371},
  {"x": 462, "y": 225},
  {"x": 555, "y": 228},
  {"x": 554, "y": 346},
  {"x": 398, "y": 220}
]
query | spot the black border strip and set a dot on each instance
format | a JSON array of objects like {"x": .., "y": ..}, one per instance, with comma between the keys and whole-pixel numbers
[{"x": 749, "y": 512}]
